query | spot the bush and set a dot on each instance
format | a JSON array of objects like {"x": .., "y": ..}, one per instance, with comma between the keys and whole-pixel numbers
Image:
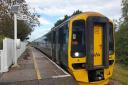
[{"x": 122, "y": 44}]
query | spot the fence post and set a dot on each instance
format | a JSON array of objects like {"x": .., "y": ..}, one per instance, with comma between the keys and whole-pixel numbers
[{"x": 1, "y": 54}]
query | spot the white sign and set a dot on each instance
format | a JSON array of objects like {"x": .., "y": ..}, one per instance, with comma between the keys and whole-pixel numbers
[
  {"x": 22, "y": 17},
  {"x": 15, "y": 9}
]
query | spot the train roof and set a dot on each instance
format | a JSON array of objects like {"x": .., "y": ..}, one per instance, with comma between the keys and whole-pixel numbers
[
  {"x": 89, "y": 13},
  {"x": 84, "y": 13}
]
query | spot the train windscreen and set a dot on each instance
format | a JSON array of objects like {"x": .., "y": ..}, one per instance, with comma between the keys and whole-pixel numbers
[
  {"x": 111, "y": 40},
  {"x": 78, "y": 39}
]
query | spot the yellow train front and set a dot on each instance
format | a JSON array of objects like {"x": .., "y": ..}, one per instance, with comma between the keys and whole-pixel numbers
[{"x": 84, "y": 45}]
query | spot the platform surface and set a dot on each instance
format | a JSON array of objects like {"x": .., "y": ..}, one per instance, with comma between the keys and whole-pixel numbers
[{"x": 35, "y": 68}]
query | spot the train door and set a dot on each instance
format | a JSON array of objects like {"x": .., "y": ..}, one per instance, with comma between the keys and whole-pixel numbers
[
  {"x": 57, "y": 47},
  {"x": 64, "y": 45},
  {"x": 53, "y": 54},
  {"x": 97, "y": 43},
  {"x": 98, "y": 33}
]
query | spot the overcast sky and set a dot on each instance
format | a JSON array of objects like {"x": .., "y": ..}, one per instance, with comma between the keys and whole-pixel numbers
[{"x": 52, "y": 10}]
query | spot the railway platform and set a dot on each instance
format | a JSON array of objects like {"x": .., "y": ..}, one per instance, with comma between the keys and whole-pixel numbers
[{"x": 35, "y": 68}]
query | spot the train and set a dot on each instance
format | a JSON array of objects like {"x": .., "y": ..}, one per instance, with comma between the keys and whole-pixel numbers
[{"x": 84, "y": 45}]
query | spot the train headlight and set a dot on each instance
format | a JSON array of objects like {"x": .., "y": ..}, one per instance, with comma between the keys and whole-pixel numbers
[{"x": 77, "y": 54}]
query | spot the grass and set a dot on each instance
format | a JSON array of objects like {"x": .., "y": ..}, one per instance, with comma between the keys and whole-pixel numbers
[{"x": 120, "y": 73}]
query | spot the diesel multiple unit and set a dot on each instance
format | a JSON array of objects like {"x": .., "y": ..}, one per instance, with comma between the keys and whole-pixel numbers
[{"x": 84, "y": 46}]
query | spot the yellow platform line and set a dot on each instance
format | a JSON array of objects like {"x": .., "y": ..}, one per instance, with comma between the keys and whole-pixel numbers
[{"x": 36, "y": 67}]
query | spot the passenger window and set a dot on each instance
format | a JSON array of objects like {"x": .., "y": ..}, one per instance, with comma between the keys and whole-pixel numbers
[
  {"x": 66, "y": 34},
  {"x": 63, "y": 34}
]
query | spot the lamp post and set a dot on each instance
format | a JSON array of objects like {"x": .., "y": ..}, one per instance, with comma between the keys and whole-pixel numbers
[
  {"x": 14, "y": 10},
  {"x": 15, "y": 39}
]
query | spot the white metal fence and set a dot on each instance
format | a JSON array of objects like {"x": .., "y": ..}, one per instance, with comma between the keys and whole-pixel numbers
[
  {"x": 7, "y": 54},
  {"x": 1, "y": 54}
]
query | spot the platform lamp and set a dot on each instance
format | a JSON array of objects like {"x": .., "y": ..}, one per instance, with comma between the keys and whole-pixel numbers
[{"x": 15, "y": 10}]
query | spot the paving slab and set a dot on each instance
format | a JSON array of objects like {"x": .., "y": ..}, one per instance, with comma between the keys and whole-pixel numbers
[
  {"x": 47, "y": 67},
  {"x": 24, "y": 72},
  {"x": 50, "y": 72},
  {"x": 36, "y": 69}
]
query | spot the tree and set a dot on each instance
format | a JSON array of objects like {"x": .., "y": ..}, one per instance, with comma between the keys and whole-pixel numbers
[
  {"x": 122, "y": 44},
  {"x": 76, "y": 12},
  {"x": 66, "y": 17},
  {"x": 122, "y": 35},
  {"x": 125, "y": 9},
  {"x": 24, "y": 27}
]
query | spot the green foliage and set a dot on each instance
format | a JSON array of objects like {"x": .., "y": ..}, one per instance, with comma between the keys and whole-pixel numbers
[
  {"x": 125, "y": 9},
  {"x": 23, "y": 30},
  {"x": 1, "y": 41},
  {"x": 122, "y": 43},
  {"x": 76, "y": 12},
  {"x": 66, "y": 17},
  {"x": 122, "y": 36},
  {"x": 24, "y": 27}
]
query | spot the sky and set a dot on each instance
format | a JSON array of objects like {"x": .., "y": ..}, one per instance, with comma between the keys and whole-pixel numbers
[{"x": 52, "y": 10}]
